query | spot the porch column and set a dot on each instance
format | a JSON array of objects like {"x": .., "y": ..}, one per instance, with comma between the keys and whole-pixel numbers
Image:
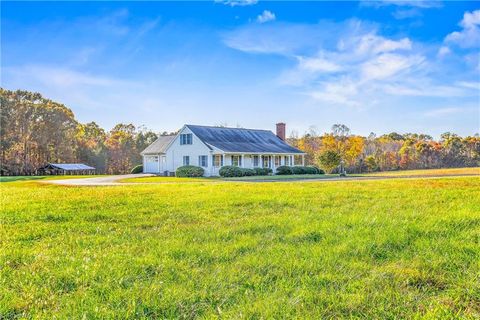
[
  {"x": 242, "y": 165},
  {"x": 303, "y": 160},
  {"x": 293, "y": 160},
  {"x": 223, "y": 160}
]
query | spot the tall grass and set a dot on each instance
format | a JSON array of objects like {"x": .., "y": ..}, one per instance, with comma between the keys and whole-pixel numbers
[{"x": 362, "y": 249}]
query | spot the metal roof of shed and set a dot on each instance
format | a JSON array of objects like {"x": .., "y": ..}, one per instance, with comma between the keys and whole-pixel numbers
[
  {"x": 242, "y": 140},
  {"x": 70, "y": 166},
  {"x": 158, "y": 146}
]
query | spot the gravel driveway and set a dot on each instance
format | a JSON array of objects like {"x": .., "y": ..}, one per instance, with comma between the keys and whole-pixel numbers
[{"x": 99, "y": 181}]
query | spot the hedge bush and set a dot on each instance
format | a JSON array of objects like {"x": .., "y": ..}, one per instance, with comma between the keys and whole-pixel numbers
[
  {"x": 137, "y": 169},
  {"x": 263, "y": 171},
  {"x": 248, "y": 172},
  {"x": 189, "y": 171},
  {"x": 230, "y": 171},
  {"x": 282, "y": 170},
  {"x": 319, "y": 171},
  {"x": 299, "y": 170}
]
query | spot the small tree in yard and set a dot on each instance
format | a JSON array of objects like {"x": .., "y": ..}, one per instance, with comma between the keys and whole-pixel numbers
[{"x": 329, "y": 160}]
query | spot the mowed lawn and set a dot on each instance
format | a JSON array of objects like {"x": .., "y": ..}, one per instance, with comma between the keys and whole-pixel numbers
[{"x": 398, "y": 248}]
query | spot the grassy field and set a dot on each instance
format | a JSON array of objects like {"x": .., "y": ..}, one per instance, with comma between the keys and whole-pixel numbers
[
  {"x": 403, "y": 173},
  {"x": 349, "y": 249}
]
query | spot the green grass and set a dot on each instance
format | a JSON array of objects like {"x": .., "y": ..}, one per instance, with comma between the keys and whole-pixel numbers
[
  {"x": 350, "y": 249},
  {"x": 393, "y": 174},
  {"x": 284, "y": 177}
]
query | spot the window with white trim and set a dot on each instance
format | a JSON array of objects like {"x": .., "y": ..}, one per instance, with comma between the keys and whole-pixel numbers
[
  {"x": 237, "y": 161},
  {"x": 151, "y": 159},
  {"x": 217, "y": 160},
  {"x": 266, "y": 161},
  {"x": 203, "y": 161},
  {"x": 185, "y": 138},
  {"x": 255, "y": 161},
  {"x": 277, "y": 161},
  {"x": 186, "y": 160},
  {"x": 287, "y": 160}
]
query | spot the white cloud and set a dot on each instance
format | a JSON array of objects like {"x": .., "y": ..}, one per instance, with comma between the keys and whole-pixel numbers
[
  {"x": 60, "y": 77},
  {"x": 360, "y": 68},
  {"x": 372, "y": 43},
  {"x": 469, "y": 36},
  {"x": 423, "y": 88},
  {"x": 403, "y": 3},
  {"x": 441, "y": 112},
  {"x": 317, "y": 64},
  {"x": 470, "y": 85},
  {"x": 443, "y": 51},
  {"x": 266, "y": 16},
  {"x": 237, "y": 3},
  {"x": 406, "y": 13},
  {"x": 339, "y": 92},
  {"x": 388, "y": 65}
]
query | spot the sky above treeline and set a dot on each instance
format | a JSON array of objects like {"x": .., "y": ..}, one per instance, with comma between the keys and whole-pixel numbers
[{"x": 375, "y": 66}]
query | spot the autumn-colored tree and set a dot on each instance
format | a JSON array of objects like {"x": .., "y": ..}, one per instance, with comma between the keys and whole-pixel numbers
[
  {"x": 35, "y": 130},
  {"x": 329, "y": 160}
]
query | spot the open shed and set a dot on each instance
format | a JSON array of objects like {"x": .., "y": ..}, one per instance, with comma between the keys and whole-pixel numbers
[{"x": 65, "y": 168}]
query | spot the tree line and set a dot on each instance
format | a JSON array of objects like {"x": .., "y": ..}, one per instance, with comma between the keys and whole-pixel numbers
[
  {"x": 391, "y": 151},
  {"x": 35, "y": 130}
]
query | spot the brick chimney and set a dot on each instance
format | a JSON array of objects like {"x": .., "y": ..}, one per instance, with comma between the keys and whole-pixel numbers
[{"x": 281, "y": 130}]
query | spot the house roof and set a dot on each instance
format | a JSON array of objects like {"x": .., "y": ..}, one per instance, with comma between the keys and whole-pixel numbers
[
  {"x": 158, "y": 146},
  {"x": 68, "y": 166},
  {"x": 242, "y": 140}
]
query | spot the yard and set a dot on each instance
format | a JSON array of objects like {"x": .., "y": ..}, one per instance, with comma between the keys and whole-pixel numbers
[{"x": 396, "y": 248}]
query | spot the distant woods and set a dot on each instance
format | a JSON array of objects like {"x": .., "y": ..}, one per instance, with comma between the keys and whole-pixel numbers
[
  {"x": 35, "y": 130},
  {"x": 386, "y": 152}
]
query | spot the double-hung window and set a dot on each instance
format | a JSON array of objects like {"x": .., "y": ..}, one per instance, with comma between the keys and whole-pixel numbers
[
  {"x": 217, "y": 160},
  {"x": 266, "y": 161},
  {"x": 277, "y": 161},
  {"x": 186, "y": 160},
  {"x": 287, "y": 160},
  {"x": 185, "y": 138},
  {"x": 237, "y": 161},
  {"x": 203, "y": 161},
  {"x": 255, "y": 161}
]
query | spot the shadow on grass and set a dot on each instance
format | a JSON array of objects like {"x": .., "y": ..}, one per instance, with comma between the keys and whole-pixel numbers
[{"x": 20, "y": 178}]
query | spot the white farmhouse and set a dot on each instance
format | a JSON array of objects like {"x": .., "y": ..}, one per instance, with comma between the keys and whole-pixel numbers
[{"x": 214, "y": 147}]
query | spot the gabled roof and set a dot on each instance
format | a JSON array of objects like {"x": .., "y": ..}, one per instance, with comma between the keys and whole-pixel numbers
[
  {"x": 159, "y": 146},
  {"x": 68, "y": 166},
  {"x": 242, "y": 140}
]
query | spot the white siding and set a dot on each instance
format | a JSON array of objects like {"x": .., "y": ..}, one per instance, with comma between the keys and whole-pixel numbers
[{"x": 176, "y": 152}]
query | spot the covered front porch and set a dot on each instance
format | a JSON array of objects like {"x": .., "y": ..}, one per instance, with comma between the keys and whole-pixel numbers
[{"x": 256, "y": 160}]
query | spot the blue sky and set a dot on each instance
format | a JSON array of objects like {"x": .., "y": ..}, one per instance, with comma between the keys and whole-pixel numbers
[{"x": 410, "y": 66}]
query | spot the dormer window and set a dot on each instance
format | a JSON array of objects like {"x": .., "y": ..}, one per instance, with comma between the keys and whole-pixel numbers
[{"x": 186, "y": 138}]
